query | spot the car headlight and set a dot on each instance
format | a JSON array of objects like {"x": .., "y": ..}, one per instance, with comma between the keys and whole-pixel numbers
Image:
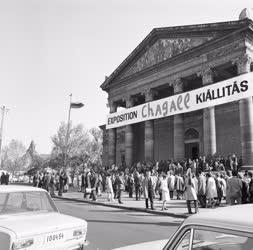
[
  {"x": 79, "y": 232},
  {"x": 21, "y": 244}
]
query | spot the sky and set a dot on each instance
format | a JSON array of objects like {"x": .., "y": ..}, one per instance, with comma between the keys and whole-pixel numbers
[{"x": 51, "y": 48}]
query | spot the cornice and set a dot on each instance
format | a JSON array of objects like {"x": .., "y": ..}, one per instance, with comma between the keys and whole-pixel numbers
[
  {"x": 208, "y": 49},
  {"x": 200, "y": 67},
  {"x": 159, "y": 32}
]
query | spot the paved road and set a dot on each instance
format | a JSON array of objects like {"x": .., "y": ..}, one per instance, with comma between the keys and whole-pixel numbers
[{"x": 110, "y": 228}]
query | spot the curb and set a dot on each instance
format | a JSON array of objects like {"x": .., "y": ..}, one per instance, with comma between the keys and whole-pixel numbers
[{"x": 183, "y": 216}]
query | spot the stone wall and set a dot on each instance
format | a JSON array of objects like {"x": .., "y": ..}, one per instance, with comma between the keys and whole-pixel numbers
[
  {"x": 163, "y": 137},
  {"x": 228, "y": 129}
]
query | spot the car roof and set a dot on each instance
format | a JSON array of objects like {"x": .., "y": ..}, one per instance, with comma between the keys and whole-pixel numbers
[
  {"x": 18, "y": 188},
  {"x": 238, "y": 217}
]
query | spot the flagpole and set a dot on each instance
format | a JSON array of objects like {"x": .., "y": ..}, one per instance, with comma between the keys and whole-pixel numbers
[
  {"x": 67, "y": 134},
  {"x": 4, "y": 111}
]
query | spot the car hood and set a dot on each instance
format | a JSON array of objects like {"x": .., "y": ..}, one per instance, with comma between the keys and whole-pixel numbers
[
  {"x": 154, "y": 245},
  {"x": 37, "y": 223}
]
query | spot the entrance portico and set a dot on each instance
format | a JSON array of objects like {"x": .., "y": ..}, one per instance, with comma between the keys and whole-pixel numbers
[{"x": 174, "y": 60}]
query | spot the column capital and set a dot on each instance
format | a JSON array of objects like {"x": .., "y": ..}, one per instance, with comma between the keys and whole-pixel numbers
[
  {"x": 149, "y": 94},
  {"x": 178, "y": 86},
  {"x": 129, "y": 101},
  {"x": 112, "y": 106},
  {"x": 243, "y": 63},
  {"x": 207, "y": 75}
]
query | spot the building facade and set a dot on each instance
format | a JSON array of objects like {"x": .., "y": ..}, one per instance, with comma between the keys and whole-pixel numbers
[{"x": 174, "y": 60}]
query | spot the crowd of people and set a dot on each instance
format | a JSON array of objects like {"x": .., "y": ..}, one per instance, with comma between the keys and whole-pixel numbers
[
  {"x": 201, "y": 182},
  {"x": 52, "y": 182}
]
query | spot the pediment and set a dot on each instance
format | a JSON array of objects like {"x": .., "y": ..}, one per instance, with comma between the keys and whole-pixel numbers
[
  {"x": 162, "y": 44},
  {"x": 162, "y": 50}
]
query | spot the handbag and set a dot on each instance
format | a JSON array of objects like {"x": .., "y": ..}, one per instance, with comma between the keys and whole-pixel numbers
[{"x": 88, "y": 190}]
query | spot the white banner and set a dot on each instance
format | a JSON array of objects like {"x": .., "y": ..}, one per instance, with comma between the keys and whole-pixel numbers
[{"x": 226, "y": 91}]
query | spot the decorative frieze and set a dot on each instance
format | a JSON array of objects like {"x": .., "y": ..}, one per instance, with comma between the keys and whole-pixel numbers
[{"x": 162, "y": 50}]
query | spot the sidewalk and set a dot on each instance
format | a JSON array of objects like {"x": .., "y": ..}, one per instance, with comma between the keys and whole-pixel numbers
[{"x": 176, "y": 208}]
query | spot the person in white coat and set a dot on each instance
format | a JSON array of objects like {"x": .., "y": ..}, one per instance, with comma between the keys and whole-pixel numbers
[
  {"x": 171, "y": 183},
  {"x": 211, "y": 190},
  {"x": 165, "y": 191},
  {"x": 190, "y": 192},
  {"x": 109, "y": 188}
]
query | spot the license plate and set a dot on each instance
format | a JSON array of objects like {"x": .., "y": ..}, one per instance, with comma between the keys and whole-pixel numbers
[{"x": 54, "y": 237}]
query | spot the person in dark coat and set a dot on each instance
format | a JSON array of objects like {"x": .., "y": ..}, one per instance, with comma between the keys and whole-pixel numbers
[
  {"x": 2, "y": 179},
  {"x": 7, "y": 176},
  {"x": 130, "y": 184},
  {"x": 93, "y": 184},
  {"x": 120, "y": 183},
  {"x": 36, "y": 180},
  {"x": 137, "y": 183},
  {"x": 87, "y": 185},
  {"x": 82, "y": 183},
  {"x": 62, "y": 182}
]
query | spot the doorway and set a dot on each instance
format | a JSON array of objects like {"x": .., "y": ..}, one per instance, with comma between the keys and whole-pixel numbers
[{"x": 192, "y": 150}]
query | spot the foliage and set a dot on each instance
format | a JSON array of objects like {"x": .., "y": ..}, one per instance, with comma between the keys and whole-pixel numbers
[
  {"x": 83, "y": 147},
  {"x": 12, "y": 160}
]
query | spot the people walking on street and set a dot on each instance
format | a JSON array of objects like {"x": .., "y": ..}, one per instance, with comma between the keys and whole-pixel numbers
[
  {"x": 165, "y": 191},
  {"x": 190, "y": 192},
  {"x": 148, "y": 189}
]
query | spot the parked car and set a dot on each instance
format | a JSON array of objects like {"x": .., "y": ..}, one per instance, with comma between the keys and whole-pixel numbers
[
  {"x": 29, "y": 220},
  {"x": 228, "y": 228}
]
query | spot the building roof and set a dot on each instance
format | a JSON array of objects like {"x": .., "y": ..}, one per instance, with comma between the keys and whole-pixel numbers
[
  {"x": 210, "y": 31},
  {"x": 233, "y": 217},
  {"x": 18, "y": 188}
]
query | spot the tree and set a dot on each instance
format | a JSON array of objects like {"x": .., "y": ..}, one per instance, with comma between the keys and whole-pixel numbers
[
  {"x": 63, "y": 150},
  {"x": 96, "y": 147},
  {"x": 12, "y": 156},
  {"x": 84, "y": 147}
]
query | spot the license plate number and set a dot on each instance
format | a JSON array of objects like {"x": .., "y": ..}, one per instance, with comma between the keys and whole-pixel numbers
[{"x": 54, "y": 237}]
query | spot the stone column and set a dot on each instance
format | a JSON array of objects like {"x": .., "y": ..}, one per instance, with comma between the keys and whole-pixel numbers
[
  {"x": 129, "y": 136},
  {"x": 246, "y": 116},
  {"x": 149, "y": 131},
  {"x": 179, "y": 147},
  {"x": 112, "y": 138},
  {"x": 209, "y": 128}
]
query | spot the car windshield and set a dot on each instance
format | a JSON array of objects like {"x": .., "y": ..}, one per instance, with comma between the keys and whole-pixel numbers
[{"x": 23, "y": 202}]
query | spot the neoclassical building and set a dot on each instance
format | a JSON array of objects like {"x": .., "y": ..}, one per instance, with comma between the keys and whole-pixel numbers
[{"x": 173, "y": 60}]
